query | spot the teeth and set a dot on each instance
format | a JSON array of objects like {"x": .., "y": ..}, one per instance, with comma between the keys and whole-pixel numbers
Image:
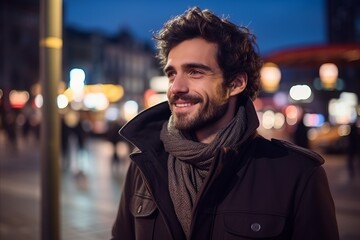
[{"x": 183, "y": 104}]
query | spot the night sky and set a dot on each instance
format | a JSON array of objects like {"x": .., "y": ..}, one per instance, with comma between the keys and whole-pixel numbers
[{"x": 278, "y": 24}]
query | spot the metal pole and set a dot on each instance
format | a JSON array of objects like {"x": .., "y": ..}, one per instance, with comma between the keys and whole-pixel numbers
[{"x": 50, "y": 74}]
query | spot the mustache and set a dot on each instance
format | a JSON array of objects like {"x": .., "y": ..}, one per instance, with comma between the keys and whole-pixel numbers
[{"x": 184, "y": 97}]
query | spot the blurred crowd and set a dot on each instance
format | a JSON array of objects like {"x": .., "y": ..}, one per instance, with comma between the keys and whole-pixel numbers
[
  {"x": 22, "y": 126},
  {"x": 20, "y": 123}
]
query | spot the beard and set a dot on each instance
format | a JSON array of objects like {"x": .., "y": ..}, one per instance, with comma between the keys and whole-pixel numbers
[
  {"x": 205, "y": 116},
  {"x": 210, "y": 111}
]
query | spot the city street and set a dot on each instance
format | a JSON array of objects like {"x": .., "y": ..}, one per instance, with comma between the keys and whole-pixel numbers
[{"x": 91, "y": 187}]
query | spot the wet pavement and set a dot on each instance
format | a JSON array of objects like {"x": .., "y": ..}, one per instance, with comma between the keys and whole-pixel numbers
[
  {"x": 91, "y": 186},
  {"x": 90, "y": 191}
]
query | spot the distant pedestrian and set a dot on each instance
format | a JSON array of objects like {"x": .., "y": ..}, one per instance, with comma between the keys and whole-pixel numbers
[
  {"x": 301, "y": 134},
  {"x": 80, "y": 131},
  {"x": 65, "y": 143},
  {"x": 353, "y": 152},
  {"x": 10, "y": 129},
  {"x": 114, "y": 137}
]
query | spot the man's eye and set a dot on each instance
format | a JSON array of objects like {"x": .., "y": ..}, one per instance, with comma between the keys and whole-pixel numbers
[
  {"x": 171, "y": 75},
  {"x": 195, "y": 73}
]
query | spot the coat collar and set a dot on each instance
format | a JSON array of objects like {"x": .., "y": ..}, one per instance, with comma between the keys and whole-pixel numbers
[{"x": 143, "y": 131}]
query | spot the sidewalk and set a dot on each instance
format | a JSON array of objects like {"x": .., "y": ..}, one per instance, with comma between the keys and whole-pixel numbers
[
  {"x": 346, "y": 194},
  {"x": 91, "y": 188},
  {"x": 90, "y": 193}
]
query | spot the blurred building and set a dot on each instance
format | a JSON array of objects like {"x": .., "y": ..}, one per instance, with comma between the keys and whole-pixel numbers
[
  {"x": 343, "y": 27},
  {"x": 301, "y": 65},
  {"x": 131, "y": 64},
  {"x": 115, "y": 70},
  {"x": 120, "y": 59},
  {"x": 19, "y": 44},
  {"x": 343, "y": 18},
  {"x": 321, "y": 80}
]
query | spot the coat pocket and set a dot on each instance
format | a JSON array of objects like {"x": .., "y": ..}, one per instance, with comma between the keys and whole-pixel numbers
[
  {"x": 143, "y": 209},
  {"x": 142, "y": 206},
  {"x": 253, "y": 226}
]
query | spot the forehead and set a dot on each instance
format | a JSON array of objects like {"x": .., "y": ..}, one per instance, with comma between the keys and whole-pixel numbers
[{"x": 195, "y": 50}]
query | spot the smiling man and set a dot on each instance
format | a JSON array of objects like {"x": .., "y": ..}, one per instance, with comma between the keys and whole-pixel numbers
[{"x": 200, "y": 170}]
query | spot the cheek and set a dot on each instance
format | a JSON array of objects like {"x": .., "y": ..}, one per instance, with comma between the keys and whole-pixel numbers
[
  {"x": 221, "y": 92},
  {"x": 168, "y": 92}
]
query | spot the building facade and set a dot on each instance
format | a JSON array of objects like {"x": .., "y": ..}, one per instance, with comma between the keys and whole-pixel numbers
[{"x": 120, "y": 59}]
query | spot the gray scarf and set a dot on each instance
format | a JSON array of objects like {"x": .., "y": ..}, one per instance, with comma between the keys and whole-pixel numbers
[{"x": 189, "y": 162}]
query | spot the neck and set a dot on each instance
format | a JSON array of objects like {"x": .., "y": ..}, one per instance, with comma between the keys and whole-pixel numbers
[{"x": 206, "y": 136}]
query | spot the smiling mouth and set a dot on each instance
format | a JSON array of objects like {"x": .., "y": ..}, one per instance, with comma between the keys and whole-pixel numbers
[
  {"x": 184, "y": 102},
  {"x": 182, "y": 105}
]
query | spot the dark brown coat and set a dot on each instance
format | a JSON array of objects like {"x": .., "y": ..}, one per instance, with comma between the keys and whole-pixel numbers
[{"x": 268, "y": 189}]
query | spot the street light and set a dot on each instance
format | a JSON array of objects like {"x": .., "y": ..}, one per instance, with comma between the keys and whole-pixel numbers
[
  {"x": 131, "y": 108},
  {"x": 77, "y": 83},
  {"x": 270, "y": 77},
  {"x": 328, "y": 73}
]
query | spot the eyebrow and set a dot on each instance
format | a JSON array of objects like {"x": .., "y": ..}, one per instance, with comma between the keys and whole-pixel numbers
[{"x": 189, "y": 66}]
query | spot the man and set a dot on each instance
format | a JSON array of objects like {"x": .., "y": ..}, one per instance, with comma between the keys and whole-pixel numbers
[{"x": 200, "y": 170}]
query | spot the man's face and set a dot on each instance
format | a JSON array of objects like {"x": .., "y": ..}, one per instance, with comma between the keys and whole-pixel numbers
[{"x": 196, "y": 94}]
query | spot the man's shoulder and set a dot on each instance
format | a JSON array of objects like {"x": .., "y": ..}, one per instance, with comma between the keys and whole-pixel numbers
[{"x": 281, "y": 149}]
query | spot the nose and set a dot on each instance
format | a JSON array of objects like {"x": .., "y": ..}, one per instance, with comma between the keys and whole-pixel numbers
[{"x": 179, "y": 84}]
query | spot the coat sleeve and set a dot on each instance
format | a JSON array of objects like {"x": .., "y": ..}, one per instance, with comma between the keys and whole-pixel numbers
[
  {"x": 123, "y": 227},
  {"x": 315, "y": 214}
]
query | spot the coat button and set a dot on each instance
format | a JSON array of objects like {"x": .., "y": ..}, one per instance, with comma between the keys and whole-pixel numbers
[
  {"x": 255, "y": 227},
  {"x": 139, "y": 209}
]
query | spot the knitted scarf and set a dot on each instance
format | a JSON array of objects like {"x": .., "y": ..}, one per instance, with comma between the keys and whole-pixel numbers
[{"x": 189, "y": 162}]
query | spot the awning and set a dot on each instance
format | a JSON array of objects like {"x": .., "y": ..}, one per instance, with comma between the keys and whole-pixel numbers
[{"x": 314, "y": 56}]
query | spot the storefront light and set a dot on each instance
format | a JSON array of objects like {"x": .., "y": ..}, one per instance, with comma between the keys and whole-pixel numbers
[
  {"x": 270, "y": 77},
  {"x": 328, "y": 73}
]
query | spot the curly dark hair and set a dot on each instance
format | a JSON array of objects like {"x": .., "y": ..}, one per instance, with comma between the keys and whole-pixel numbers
[{"x": 237, "y": 48}]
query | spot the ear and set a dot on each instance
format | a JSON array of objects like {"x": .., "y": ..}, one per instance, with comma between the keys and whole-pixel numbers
[{"x": 239, "y": 84}]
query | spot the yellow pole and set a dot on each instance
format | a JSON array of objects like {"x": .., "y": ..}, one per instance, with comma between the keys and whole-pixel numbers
[{"x": 50, "y": 74}]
